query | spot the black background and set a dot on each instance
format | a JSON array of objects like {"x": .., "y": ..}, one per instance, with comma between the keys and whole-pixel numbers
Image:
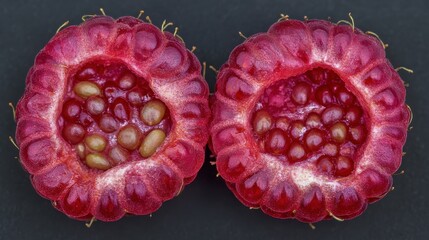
[{"x": 207, "y": 209}]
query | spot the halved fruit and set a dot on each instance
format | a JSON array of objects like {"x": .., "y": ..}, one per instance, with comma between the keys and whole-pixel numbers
[
  {"x": 113, "y": 119},
  {"x": 309, "y": 121}
]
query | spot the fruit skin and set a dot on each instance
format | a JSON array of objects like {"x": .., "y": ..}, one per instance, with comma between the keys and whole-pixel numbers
[
  {"x": 136, "y": 187},
  {"x": 290, "y": 48}
]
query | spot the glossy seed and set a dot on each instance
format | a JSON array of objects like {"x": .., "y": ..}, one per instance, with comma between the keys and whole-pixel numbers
[
  {"x": 301, "y": 93},
  {"x": 296, "y": 152},
  {"x": 151, "y": 142},
  {"x": 95, "y": 105},
  {"x": 314, "y": 139},
  {"x": 118, "y": 154},
  {"x": 297, "y": 129},
  {"x": 153, "y": 112},
  {"x": 276, "y": 142},
  {"x": 108, "y": 123},
  {"x": 339, "y": 132},
  {"x": 344, "y": 166},
  {"x": 353, "y": 115},
  {"x": 71, "y": 110},
  {"x": 325, "y": 165},
  {"x": 73, "y": 133},
  {"x": 97, "y": 161},
  {"x": 96, "y": 142},
  {"x": 127, "y": 81},
  {"x": 330, "y": 149},
  {"x": 332, "y": 114},
  {"x": 129, "y": 137},
  {"x": 262, "y": 122},
  {"x": 283, "y": 123},
  {"x": 357, "y": 134},
  {"x": 80, "y": 149},
  {"x": 86, "y": 89},
  {"x": 313, "y": 120},
  {"x": 135, "y": 98}
]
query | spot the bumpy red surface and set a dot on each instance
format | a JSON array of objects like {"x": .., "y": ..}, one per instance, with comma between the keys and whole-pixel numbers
[
  {"x": 309, "y": 121},
  {"x": 80, "y": 151}
]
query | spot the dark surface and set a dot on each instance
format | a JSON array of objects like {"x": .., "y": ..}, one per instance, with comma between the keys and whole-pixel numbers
[{"x": 207, "y": 209}]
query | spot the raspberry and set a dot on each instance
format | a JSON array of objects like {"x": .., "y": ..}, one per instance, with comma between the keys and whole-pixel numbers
[
  {"x": 309, "y": 121},
  {"x": 113, "y": 119}
]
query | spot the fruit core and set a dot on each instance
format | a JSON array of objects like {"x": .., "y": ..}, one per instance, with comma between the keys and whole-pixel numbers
[
  {"x": 111, "y": 116},
  {"x": 311, "y": 117}
]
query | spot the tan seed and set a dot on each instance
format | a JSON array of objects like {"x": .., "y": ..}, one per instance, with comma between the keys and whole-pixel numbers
[
  {"x": 80, "y": 149},
  {"x": 152, "y": 112},
  {"x": 86, "y": 89},
  {"x": 151, "y": 143},
  {"x": 129, "y": 137},
  {"x": 97, "y": 161},
  {"x": 96, "y": 142}
]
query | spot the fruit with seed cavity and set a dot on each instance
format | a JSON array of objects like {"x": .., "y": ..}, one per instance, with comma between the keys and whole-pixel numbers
[
  {"x": 294, "y": 112},
  {"x": 79, "y": 127}
]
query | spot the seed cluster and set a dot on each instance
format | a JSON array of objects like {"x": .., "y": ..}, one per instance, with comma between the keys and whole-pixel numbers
[
  {"x": 313, "y": 117},
  {"x": 110, "y": 116}
]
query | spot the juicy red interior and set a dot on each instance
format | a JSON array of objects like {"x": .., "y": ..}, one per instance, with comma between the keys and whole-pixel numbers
[
  {"x": 311, "y": 117},
  {"x": 122, "y": 96}
]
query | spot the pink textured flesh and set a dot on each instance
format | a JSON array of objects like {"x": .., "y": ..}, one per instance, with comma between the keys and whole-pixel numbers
[
  {"x": 53, "y": 120},
  {"x": 309, "y": 121}
]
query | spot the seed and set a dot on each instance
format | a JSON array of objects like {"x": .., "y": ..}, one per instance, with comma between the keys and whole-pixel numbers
[
  {"x": 80, "y": 149},
  {"x": 86, "y": 89},
  {"x": 151, "y": 143},
  {"x": 344, "y": 96},
  {"x": 339, "y": 132},
  {"x": 95, "y": 105},
  {"x": 127, "y": 81},
  {"x": 96, "y": 142},
  {"x": 71, "y": 110},
  {"x": 135, "y": 98},
  {"x": 108, "y": 123},
  {"x": 332, "y": 114},
  {"x": 324, "y": 164},
  {"x": 121, "y": 109},
  {"x": 344, "y": 166},
  {"x": 276, "y": 142},
  {"x": 129, "y": 137},
  {"x": 118, "y": 154},
  {"x": 152, "y": 112},
  {"x": 262, "y": 122},
  {"x": 314, "y": 139},
  {"x": 73, "y": 133},
  {"x": 97, "y": 161},
  {"x": 283, "y": 123},
  {"x": 330, "y": 149},
  {"x": 301, "y": 93},
  {"x": 313, "y": 120},
  {"x": 357, "y": 134},
  {"x": 296, "y": 152},
  {"x": 297, "y": 129},
  {"x": 353, "y": 115}
]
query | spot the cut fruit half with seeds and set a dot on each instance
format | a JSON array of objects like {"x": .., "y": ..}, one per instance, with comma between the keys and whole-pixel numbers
[
  {"x": 114, "y": 119},
  {"x": 309, "y": 121}
]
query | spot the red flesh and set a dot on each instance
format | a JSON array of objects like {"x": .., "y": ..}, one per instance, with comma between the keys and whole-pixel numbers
[
  {"x": 333, "y": 125},
  {"x": 50, "y": 117}
]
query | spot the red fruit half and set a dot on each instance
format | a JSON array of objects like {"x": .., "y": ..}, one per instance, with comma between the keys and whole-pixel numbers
[
  {"x": 113, "y": 119},
  {"x": 309, "y": 121}
]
